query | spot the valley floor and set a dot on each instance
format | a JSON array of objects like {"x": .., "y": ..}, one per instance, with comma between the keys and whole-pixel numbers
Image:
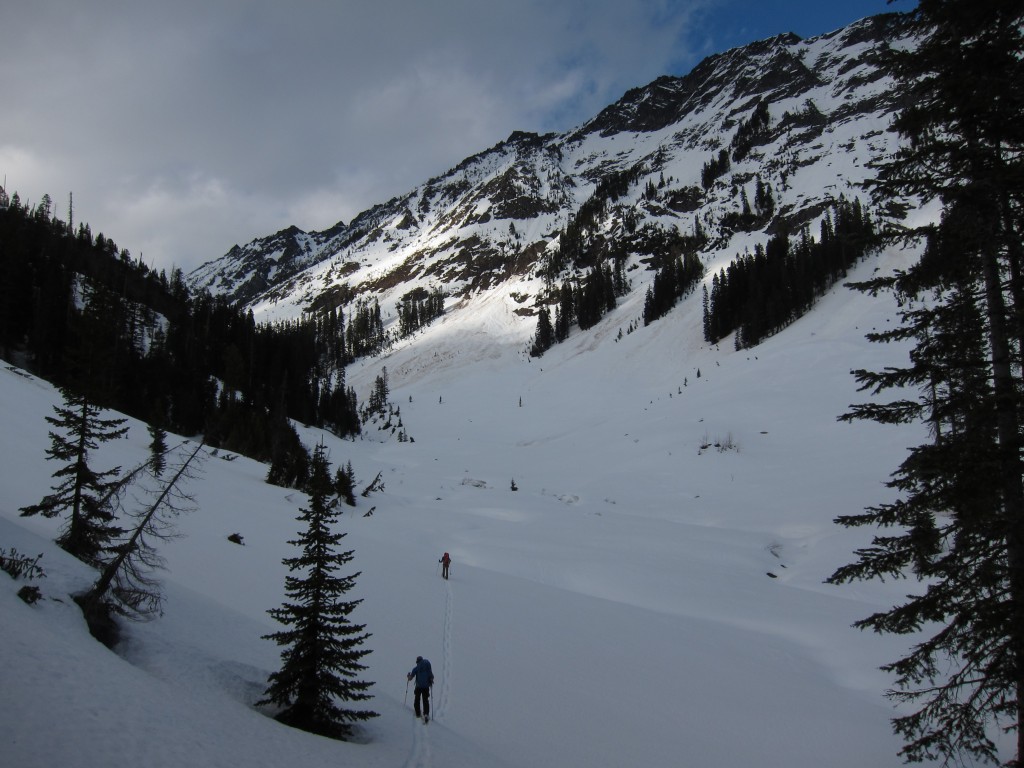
[{"x": 639, "y": 599}]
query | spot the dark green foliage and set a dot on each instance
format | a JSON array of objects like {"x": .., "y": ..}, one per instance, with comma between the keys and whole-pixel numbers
[
  {"x": 959, "y": 522},
  {"x": 685, "y": 200},
  {"x": 81, "y": 492},
  {"x": 322, "y": 647},
  {"x": 364, "y": 334},
  {"x": 380, "y": 394},
  {"x": 714, "y": 168},
  {"x": 80, "y": 313},
  {"x": 345, "y": 483},
  {"x": 585, "y": 302},
  {"x": 946, "y": 525},
  {"x": 158, "y": 450},
  {"x": 289, "y": 459},
  {"x": 672, "y": 282},
  {"x": 764, "y": 200},
  {"x": 808, "y": 117},
  {"x": 749, "y": 218},
  {"x": 339, "y": 408},
  {"x": 759, "y": 294},
  {"x": 545, "y": 335},
  {"x": 30, "y": 594},
  {"x": 594, "y": 296},
  {"x": 17, "y": 565},
  {"x": 418, "y": 308},
  {"x": 577, "y": 248},
  {"x": 565, "y": 312},
  {"x": 751, "y": 132}
]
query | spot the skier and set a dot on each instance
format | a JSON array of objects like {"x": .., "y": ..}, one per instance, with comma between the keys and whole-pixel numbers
[
  {"x": 424, "y": 680},
  {"x": 445, "y": 562}
]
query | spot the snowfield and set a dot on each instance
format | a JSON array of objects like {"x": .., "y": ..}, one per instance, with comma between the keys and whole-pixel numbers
[{"x": 639, "y": 600}]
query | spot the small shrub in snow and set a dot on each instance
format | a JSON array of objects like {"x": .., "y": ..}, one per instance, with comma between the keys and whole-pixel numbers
[
  {"x": 719, "y": 444},
  {"x": 29, "y": 594},
  {"x": 18, "y": 565}
]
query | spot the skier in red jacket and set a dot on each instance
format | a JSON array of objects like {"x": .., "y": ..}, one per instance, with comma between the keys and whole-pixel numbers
[{"x": 445, "y": 562}]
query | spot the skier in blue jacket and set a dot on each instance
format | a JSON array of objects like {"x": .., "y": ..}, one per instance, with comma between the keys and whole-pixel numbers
[{"x": 424, "y": 679}]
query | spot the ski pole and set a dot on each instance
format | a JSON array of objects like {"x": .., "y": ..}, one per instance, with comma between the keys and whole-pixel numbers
[{"x": 405, "y": 701}]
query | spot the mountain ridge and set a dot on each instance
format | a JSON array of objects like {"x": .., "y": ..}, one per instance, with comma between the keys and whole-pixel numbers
[{"x": 499, "y": 217}]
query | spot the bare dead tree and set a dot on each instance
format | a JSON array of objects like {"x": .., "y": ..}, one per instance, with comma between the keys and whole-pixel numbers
[
  {"x": 126, "y": 584},
  {"x": 376, "y": 485}
]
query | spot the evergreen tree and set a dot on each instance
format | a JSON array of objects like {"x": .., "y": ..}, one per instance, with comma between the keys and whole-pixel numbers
[
  {"x": 289, "y": 461},
  {"x": 714, "y": 168},
  {"x": 706, "y": 314},
  {"x": 764, "y": 201},
  {"x": 544, "y": 338},
  {"x": 345, "y": 484},
  {"x": 322, "y": 647},
  {"x": 381, "y": 392},
  {"x": 564, "y": 312},
  {"x": 960, "y": 519},
  {"x": 761, "y": 293},
  {"x": 81, "y": 492},
  {"x": 158, "y": 450}
]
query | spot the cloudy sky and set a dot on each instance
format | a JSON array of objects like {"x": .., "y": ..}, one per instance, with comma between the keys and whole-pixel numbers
[{"x": 182, "y": 128}]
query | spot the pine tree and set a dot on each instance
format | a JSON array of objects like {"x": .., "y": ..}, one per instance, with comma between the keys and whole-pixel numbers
[
  {"x": 544, "y": 338},
  {"x": 960, "y": 519},
  {"x": 322, "y": 647},
  {"x": 289, "y": 459},
  {"x": 564, "y": 313},
  {"x": 81, "y": 491},
  {"x": 380, "y": 394},
  {"x": 345, "y": 484},
  {"x": 158, "y": 450}
]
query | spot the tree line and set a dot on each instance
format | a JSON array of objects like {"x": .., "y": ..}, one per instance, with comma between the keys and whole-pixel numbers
[
  {"x": 418, "y": 308},
  {"x": 77, "y": 311},
  {"x": 758, "y": 294},
  {"x": 579, "y": 301}
]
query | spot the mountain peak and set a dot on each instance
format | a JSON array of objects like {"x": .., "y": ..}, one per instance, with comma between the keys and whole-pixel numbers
[{"x": 682, "y": 154}]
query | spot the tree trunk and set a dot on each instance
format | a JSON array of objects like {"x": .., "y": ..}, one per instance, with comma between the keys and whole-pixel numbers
[
  {"x": 99, "y": 589},
  {"x": 1008, "y": 431}
]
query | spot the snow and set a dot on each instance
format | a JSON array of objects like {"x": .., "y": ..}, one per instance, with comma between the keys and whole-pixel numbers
[
  {"x": 616, "y": 609},
  {"x": 804, "y": 168}
]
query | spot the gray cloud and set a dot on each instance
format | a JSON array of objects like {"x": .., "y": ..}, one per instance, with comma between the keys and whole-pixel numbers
[{"x": 183, "y": 128}]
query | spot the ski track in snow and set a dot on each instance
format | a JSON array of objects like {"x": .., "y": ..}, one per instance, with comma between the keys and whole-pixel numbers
[
  {"x": 421, "y": 752},
  {"x": 446, "y": 668},
  {"x": 420, "y": 757}
]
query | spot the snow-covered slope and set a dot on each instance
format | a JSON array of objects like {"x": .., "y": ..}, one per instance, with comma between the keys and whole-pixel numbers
[
  {"x": 638, "y": 600},
  {"x": 491, "y": 223},
  {"x": 650, "y": 593}
]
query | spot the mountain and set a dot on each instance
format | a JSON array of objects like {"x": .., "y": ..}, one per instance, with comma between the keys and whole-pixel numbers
[
  {"x": 650, "y": 594},
  {"x": 752, "y": 142},
  {"x": 641, "y": 521}
]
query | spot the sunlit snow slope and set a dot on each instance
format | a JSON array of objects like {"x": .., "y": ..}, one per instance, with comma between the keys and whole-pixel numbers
[{"x": 638, "y": 600}]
